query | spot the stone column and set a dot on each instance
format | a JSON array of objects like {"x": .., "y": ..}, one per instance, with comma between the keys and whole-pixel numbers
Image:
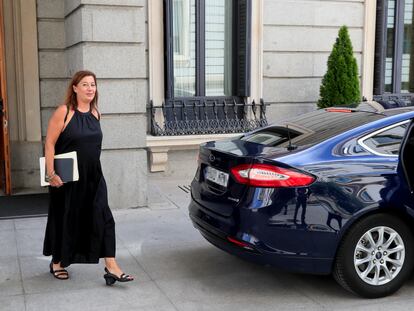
[{"x": 109, "y": 37}]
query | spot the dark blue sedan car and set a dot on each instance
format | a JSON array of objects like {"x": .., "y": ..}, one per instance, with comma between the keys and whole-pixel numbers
[{"x": 328, "y": 192}]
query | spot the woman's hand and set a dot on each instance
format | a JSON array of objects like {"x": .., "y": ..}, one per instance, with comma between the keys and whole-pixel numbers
[{"x": 55, "y": 181}]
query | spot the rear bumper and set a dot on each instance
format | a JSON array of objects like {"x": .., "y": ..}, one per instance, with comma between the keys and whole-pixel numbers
[{"x": 217, "y": 229}]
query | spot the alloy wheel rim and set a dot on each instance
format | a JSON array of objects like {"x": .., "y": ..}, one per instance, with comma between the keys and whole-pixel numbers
[{"x": 379, "y": 255}]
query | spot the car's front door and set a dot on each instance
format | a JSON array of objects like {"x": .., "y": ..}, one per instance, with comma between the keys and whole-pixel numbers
[{"x": 406, "y": 163}]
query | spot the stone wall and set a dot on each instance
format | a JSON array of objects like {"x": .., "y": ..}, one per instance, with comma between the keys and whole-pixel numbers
[
  {"x": 108, "y": 37},
  {"x": 23, "y": 102},
  {"x": 298, "y": 36}
]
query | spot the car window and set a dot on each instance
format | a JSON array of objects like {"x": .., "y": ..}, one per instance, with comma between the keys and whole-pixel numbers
[
  {"x": 386, "y": 141},
  {"x": 273, "y": 136},
  {"x": 351, "y": 148}
]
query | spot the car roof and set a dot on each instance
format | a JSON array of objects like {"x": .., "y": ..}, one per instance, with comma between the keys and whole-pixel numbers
[
  {"x": 343, "y": 119},
  {"x": 394, "y": 111},
  {"x": 323, "y": 124},
  {"x": 315, "y": 146}
]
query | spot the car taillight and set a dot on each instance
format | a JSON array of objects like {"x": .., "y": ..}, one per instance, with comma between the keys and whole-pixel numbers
[{"x": 264, "y": 175}]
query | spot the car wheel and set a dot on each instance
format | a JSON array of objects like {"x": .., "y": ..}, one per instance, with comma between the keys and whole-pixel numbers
[{"x": 375, "y": 257}]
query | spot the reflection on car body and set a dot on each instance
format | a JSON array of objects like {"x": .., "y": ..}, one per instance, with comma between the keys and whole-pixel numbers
[{"x": 327, "y": 192}]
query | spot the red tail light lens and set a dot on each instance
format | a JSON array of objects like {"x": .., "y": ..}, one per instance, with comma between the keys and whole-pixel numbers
[{"x": 264, "y": 175}]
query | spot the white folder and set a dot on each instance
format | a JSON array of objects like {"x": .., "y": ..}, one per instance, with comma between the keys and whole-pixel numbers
[{"x": 68, "y": 155}]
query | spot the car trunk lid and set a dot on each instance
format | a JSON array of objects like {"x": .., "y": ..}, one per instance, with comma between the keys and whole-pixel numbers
[{"x": 213, "y": 186}]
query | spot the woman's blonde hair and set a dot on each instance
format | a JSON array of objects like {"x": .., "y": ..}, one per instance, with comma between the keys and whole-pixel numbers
[{"x": 71, "y": 99}]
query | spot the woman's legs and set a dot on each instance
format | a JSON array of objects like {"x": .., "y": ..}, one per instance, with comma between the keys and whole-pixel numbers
[
  {"x": 112, "y": 266},
  {"x": 58, "y": 271},
  {"x": 56, "y": 264}
]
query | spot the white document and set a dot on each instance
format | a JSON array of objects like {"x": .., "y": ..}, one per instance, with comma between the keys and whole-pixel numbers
[{"x": 68, "y": 155}]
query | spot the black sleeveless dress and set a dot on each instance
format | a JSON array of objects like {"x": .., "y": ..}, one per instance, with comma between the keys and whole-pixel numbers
[{"x": 80, "y": 227}]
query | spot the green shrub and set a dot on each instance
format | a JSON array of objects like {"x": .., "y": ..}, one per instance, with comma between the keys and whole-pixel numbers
[{"x": 340, "y": 84}]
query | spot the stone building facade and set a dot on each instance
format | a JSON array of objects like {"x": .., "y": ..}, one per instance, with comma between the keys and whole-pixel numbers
[
  {"x": 125, "y": 42},
  {"x": 47, "y": 41}
]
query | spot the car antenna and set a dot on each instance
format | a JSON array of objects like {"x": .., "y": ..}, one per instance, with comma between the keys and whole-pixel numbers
[{"x": 290, "y": 147}]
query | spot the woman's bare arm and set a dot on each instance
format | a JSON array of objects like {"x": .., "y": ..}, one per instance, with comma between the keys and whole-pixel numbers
[{"x": 55, "y": 127}]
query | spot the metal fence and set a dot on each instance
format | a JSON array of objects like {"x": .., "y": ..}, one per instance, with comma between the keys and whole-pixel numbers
[{"x": 205, "y": 116}]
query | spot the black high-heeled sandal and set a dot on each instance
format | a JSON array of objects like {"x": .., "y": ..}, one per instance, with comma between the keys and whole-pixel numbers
[
  {"x": 61, "y": 274},
  {"x": 111, "y": 278}
]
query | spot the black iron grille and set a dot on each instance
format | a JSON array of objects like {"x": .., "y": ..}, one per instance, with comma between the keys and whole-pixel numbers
[{"x": 205, "y": 116}]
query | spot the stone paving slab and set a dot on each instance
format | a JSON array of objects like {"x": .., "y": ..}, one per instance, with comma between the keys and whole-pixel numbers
[
  {"x": 175, "y": 269},
  {"x": 8, "y": 247},
  {"x": 10, "y": 277},
  {"x": 235, "y": 291},
  {"x": 31, "y": 223},
  {"x": 138, "y": 296},
  {"x": 6, "y": 225},
  {"x": 13, "y": 302}
]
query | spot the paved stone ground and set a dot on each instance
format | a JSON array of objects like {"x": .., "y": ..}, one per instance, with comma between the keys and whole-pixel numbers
[{"x": 175, "y": 269}]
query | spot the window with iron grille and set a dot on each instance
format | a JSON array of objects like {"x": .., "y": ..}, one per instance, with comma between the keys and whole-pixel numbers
[
  {"x": 207, "y": 66},
  {"x": 207, "y": 48}
]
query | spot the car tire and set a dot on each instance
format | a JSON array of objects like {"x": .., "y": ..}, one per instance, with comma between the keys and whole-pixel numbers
[{"x": 370, "y": 266}]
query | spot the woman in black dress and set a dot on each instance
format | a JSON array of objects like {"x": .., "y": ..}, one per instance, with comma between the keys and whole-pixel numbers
[{"x": 80, "y": 227}]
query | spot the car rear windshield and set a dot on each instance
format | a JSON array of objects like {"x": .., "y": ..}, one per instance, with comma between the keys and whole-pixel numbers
[{"x": 314, "y": 127}]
